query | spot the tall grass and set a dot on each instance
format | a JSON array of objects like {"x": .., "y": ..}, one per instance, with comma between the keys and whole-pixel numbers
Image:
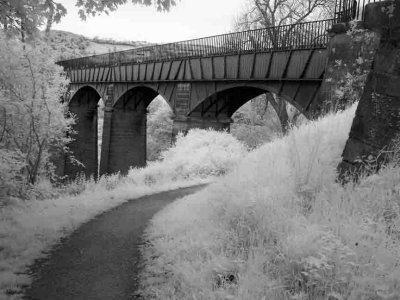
[{"x": 279, "y": 227}]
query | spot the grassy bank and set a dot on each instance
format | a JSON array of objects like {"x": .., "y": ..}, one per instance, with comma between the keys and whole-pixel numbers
[{"x": 279, "y": 227}]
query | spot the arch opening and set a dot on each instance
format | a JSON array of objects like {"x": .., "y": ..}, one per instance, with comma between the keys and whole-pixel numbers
[
  {"x": 257, "y": 115},
  {"x": 127, "y": 145},
  {"x": 159, "y": 127},
  {"x": 84, "y": 147}
]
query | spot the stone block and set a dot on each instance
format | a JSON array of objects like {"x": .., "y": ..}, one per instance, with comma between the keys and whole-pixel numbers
[{"x": 382, "y": 14}]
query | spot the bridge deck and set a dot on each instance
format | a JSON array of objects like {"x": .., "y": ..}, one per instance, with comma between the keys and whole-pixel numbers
[{"x": 309, "y": 35}]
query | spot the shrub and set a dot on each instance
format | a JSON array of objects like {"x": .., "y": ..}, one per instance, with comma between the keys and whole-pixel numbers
[{"x": 198, "y": 155}]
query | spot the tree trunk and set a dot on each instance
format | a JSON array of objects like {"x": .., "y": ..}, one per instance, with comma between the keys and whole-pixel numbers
[
  {"x": 280, "y": 107},
  {"x": 49, "y": 23}
]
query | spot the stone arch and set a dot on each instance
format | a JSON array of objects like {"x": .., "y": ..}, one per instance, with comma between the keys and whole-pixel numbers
[
  {"x": 83, "y": 105},
  {"x": 222, "y": 101},
  {"x": 125, "y": 136},
  {"x": 136, "y": 98},
  {"x": 77, "y": 89},
  {"x": 126, "y": 90}
]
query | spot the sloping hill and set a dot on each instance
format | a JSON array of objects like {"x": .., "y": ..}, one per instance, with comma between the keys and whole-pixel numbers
[{"x": 70, "y": 45}]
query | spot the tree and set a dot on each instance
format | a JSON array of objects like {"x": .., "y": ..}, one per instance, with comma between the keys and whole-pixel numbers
[
  {"x": 32, "y": 117},
  {"x": 272, "y": 13},
  {"x": 275, "y": 13},
  {"x": 159, "y": 128},
  {"x": 93, "y": 7},
  {"x": 27, "y": 16}
]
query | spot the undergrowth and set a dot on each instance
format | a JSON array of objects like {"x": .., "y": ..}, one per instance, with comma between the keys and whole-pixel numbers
[
  {"x": 280, "y": 227},
  {"x": 30, "y": 226}
]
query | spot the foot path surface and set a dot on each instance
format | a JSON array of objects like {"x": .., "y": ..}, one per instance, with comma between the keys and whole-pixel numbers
[{"x": 100, "y": 259}]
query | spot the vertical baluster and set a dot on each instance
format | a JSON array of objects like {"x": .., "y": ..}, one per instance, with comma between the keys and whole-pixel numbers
[
  {"x": 194, "y": 47},
  {"x": 298, "y": 35},
  {"x": 294, "y": 37},
  {"x": 243, "y": 42},
  {"x": 302, "y": 35},
  {"x": 321, "y": 33},
  {"x": 286, "y": 36},
  {"x": 225, "y": 43},
  {"x": 276, "y": 38},
  {"x": 235, "y": 38},
  {"x": 198, "y": 47},
  {"x": 363, "y": 9},
  {"x": 313, "y": 34},
  {"x": 319, "y": 36},
  {"x": 335, "y": 11},
  {"x": 214, "y": 45},
  {"x": 238, "y": 42},
  {"x": 305, "y": 34},
  {"x": 264, "y": 40}
]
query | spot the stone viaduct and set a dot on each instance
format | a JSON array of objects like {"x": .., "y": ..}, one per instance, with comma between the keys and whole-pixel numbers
[{"x": 204, "y": 81}]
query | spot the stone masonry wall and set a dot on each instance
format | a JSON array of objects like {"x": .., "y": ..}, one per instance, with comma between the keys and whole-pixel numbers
[
  {"x": 377, "y": 120},
  {"x": 351, "y": 51}
]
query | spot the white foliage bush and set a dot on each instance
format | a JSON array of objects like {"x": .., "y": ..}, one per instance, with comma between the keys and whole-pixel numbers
[
  {"x": 33, "y": 124},
  {"x": 159, "y": 128},
  {"x": 199, "y": 154},
  {"x": 282, "y": 227}
]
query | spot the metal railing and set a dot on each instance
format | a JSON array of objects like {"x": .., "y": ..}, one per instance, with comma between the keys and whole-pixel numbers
[
  {"x": 306, "y": 35},
  {"x": 349, "y": 10}
]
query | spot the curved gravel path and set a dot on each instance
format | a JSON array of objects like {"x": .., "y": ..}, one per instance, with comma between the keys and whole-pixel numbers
[{"x": 99, "y": 260}]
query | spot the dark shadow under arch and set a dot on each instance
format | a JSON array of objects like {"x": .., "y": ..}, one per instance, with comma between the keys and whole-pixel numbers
[
  {"x": 125, "y": 142},
  {"x": 226, "y": 101},
  {"x": 83, "y": 105},
  {"x": 136, "y": 98}
]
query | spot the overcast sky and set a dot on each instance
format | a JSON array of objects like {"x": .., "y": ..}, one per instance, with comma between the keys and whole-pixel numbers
[{"x": 189, "y": 19}]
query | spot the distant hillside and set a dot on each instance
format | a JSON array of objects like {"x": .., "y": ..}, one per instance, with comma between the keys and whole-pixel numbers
[{"x": 70, "y": 45}]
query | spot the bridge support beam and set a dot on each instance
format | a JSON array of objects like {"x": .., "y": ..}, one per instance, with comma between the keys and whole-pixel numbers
[
  {"x": 124, "y": 133},
  {"x": 106, "y": 138},
  {"x": 184, "y": 124},
  {"x": 128, "y": 140},
  {"x": 377, "y": 120}
]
